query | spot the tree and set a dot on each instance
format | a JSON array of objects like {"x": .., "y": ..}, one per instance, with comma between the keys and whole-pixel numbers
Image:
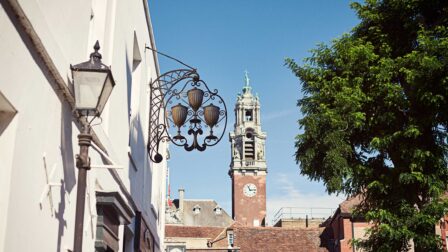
[{"x": 375, "y": 118}]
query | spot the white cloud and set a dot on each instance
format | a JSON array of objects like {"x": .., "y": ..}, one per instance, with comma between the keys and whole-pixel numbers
[{"x": 288, "y": 195}]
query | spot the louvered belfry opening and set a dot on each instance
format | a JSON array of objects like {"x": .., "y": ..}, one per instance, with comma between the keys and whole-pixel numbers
[{"x": 249, "y": 146}]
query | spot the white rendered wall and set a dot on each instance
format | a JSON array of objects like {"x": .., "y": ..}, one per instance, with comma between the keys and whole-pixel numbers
[{"x": 43, "y": 134}]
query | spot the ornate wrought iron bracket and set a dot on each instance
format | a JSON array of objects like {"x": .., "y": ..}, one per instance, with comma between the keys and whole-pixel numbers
[{"x": 180, "y": 99}]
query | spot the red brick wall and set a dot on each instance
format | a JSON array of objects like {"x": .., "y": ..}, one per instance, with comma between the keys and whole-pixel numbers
[
  {"x": 247, "y": 209},
  {"x": 348, "y": 236},
  {"x": 336, "y": 227},
  {"x": 342, "y": 232}
]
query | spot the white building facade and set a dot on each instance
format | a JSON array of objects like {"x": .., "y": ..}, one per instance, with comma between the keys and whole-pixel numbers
[{"x": 38, "y": 131}]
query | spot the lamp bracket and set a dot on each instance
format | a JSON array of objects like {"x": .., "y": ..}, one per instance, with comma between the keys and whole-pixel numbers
[{"x": 171, "y": 88}]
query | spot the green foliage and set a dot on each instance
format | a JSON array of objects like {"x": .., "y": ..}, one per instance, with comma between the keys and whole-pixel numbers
[{"x": 375, "y": 118}]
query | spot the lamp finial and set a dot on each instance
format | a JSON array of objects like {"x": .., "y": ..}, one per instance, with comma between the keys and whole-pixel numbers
[{"x": 96, "y": 56}]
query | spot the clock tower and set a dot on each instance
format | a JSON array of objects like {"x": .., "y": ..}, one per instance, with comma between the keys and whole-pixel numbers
[{"x": 248, "y": 164}]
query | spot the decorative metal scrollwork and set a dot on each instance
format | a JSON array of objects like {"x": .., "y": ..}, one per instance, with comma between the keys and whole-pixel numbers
[{"x": 181, "y": 100}]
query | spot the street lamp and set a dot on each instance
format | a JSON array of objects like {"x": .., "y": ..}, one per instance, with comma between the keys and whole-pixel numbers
[{"x": 93, "y": 84}]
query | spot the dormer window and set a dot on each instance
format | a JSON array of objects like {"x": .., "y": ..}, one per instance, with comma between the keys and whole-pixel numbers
[
  {"x": 230, "y": 238},
  {"x": 197, "y": 209},
  {"x": 248, "y": 115},
  {"x": 218, "y": 210}
]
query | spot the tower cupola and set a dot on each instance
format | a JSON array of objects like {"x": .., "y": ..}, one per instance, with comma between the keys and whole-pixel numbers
[{"x": 248, "y": 140}]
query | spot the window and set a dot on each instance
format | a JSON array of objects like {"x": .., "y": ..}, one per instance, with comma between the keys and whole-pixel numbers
[
  {"x": 134, "y": 75},
  {"x": 230, "y": 238},
  {"x": 218, "y": 210},
  {"x": 7, "y": 112},
  {"x": 175, "y": 248},
  {"x": 197, "y": 209},
  {"x": 112, "y": 212},
  {"x": 128, "y": 239},
  {"x": 248, "y": 115},
  {"x": 134, "y": 83},
  {"x": 143, "y": 238}
]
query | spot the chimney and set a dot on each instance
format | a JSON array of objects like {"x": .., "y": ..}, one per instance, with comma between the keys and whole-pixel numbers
[{"x": 181, "y": 199}]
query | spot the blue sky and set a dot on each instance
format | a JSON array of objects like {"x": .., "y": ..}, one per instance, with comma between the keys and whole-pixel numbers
[{"x": 224, "y": 38}]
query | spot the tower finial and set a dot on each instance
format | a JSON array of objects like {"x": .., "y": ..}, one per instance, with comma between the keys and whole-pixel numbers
[{"x": 246, "y": 78}]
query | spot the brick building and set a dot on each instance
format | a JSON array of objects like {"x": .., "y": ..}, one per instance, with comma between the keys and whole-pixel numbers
[{"x": 342, "y": 227}]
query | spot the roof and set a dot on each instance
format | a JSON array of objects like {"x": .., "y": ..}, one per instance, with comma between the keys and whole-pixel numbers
[
  {"x": 250, "y": 239},
  {"x": 278, "y": 239},
  {"x": 189, "y": 231},
  {"x": 349, "y": 204},
  {"x": 345, "y": 209},
  {"x": 210, "y": 214},
  {"x": 264, "y": 239}
]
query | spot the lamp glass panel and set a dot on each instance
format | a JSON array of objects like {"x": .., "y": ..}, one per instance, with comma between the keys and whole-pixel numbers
[
  {"x": 88, "y": 86},
  {"x": 108, "y": 86}
]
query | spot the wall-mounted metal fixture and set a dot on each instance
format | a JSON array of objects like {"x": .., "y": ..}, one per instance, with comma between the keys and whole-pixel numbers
[
  {"x": 93, "y": 84},
  {"x": 181, "y": 100}
]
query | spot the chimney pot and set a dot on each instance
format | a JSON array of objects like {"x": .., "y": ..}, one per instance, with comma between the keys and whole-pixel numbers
[{"x": 181, "y": 199}]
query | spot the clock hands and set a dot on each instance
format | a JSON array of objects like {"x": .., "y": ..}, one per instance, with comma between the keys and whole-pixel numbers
[{"x": 250, "y": 190}]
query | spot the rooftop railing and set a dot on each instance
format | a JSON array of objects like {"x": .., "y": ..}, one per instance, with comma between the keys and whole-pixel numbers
[{"x": 303, "y": 213}]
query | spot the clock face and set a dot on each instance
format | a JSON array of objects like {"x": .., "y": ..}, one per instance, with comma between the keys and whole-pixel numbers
[{"x": 249, "y": 190}]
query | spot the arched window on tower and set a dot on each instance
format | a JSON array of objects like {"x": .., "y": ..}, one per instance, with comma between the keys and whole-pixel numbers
[{"x": 248, "y": 115}]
